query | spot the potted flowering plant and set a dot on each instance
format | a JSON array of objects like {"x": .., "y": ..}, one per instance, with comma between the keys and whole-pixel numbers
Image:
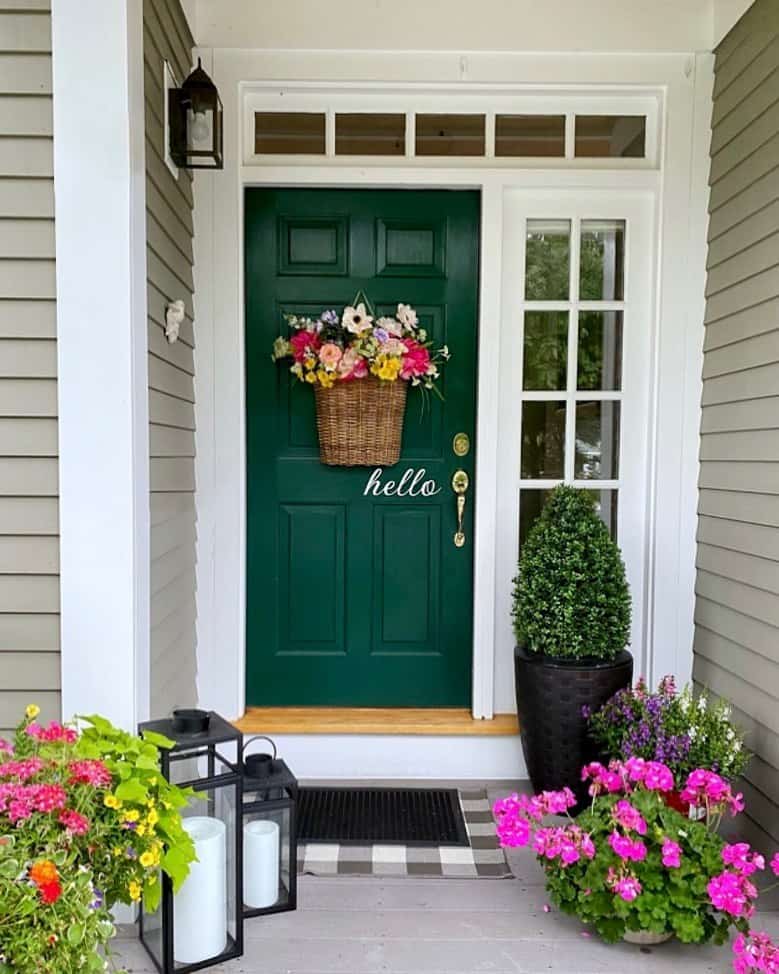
[
  {"x": 683, "y": 731},
  {"x": 360, "y": 366},
  {"x": 86, "y": 821},
  {"x": 634, "y": 868},
  {"x": 571, "y": 617}
]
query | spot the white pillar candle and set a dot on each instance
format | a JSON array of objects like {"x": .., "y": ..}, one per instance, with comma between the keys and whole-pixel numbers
[
  {"x": 260, "y": 864},
  {"x": 200, "y": 906}
]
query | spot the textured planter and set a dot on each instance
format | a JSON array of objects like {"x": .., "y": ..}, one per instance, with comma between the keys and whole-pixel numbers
[
  {"x": 645, "y": 938},
  {"x": 550, "y": 696}
]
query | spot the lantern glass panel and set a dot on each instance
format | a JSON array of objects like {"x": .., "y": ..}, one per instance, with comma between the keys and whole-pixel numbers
[
  {"x": 268, "y": 880},
  {"x": 206, "y": 908},
  {"x": 151, "y": 931}
]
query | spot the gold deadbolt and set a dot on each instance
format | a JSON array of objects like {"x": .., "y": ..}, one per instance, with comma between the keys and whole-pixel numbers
[{"x": 461, "y": 445}]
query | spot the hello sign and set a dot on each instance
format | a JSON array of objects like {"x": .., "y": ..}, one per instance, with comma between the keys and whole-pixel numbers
[{"x": 411, "y": 484}]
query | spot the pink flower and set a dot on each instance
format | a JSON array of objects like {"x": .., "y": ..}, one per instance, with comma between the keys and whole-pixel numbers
[
  {"x": 741, "y": 857},
  {"x": 330, "y": 355},
  {"x": 628, "y": 888},
  {"x": 6, "y": 747},
  {"x": 89, "y": 772},
  {"x": 21, "y": 770},
  {"x": 416, "y": 361},
  {"x": 732, "y": 893},
  {"x": 629, "y": 817},
  {"x": 352, "y": 366},
  {"x": 775, "y": 864},
  {"x": 55, "y": 733},
  {"x": 603, "y": 779},
  {"x": 658, "y": 777},
  {"x": 304, "y": 343},
  {"x": 755, "y": 952},
  {"x": 671, "y": 853},
  {"x": 75, "y": 823},
  {"x": 627, "y": 849}
]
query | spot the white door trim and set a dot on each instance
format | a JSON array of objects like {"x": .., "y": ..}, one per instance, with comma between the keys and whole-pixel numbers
[{"x": 221, "y": 453}]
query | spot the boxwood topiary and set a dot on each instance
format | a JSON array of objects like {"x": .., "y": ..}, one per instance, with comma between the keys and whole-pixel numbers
[{"x": 571, "y": 597}]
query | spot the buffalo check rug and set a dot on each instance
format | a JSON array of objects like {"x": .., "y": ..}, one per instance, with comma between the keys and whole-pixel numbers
[{"x": 482, "y": 858}]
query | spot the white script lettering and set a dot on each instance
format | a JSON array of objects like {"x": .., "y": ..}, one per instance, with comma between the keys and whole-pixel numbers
[{"x": 411, "y": 484}]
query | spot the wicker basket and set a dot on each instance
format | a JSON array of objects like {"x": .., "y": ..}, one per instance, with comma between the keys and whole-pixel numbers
[{"x": 360, "y": 423}]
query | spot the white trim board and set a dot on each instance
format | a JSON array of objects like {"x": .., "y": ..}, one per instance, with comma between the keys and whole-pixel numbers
[{"x": 671, "y": 480}]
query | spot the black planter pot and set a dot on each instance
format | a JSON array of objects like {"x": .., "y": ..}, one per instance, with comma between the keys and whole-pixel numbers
[{"x": 550, "y": 696}]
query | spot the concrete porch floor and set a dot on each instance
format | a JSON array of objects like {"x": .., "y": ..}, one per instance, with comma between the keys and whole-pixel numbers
[{"x": 429, "y": 926}]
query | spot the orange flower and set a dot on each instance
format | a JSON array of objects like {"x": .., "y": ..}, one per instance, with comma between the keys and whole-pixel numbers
[{"x": 44, "y": 872}]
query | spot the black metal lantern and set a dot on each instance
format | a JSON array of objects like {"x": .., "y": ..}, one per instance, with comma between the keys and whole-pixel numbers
[
  {"x": 201, "y": 924},
  {"x": 270, "y": 795},
  {"x": 195, "y": 113}
]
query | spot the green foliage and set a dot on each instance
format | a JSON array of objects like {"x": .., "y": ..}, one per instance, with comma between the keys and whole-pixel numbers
[
  {"x": 672, "y": 900},
  {"x": 571, "y": 597}
]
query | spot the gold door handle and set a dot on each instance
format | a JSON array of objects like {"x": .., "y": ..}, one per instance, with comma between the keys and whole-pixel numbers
[{"x": 460, "y": 484}]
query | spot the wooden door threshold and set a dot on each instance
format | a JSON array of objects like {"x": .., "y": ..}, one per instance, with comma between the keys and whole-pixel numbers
[{"x": 452, "y": 721}]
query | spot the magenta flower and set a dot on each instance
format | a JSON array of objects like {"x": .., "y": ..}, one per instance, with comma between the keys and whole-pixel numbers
[
  {"x": 89, "y": 772},
  {"x": 627, "y": 849},
  {"x": 741, "y": 857},
  {"x": 732, "y": 893},
  {"x": 21, "y": 770},
  {"x": 629, "y": 817},
  {"x": 755, "y": 952},
  {"x": 74, "y": 822},
  {"x": 775, "y": 864},
  {"x": 671, "y": 853}
]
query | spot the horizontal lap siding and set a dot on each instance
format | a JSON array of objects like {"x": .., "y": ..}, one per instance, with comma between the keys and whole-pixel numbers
[
  {"x": 171, "y": 378},
  {"x": 29, "y": 516},
  {"x": 737, "y": 608}
]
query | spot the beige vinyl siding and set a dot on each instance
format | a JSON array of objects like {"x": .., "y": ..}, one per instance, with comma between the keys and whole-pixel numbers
[
  {"x": 29, "y": 518},
  {"x": 171, "y": 377},
  {"x": 737, "y": 606}
]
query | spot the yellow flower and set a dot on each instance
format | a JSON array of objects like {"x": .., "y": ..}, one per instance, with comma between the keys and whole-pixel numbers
[
  {"x": 311, "y": 377},
  {"x": 152, "y": 879},
  {"x": 111, "y": 801},
  {"x": 141, "y": 830},
  {"x": 310, "y": 362},
  {"x": 327, "y": 379},
  {"x": 134, "y": 890},
  {"x": 386, "y": 367},
  {"x": 32, "y": 711},
  {"x": 132, "y": 815},
  {"x": 152, "y": 818},
  {"x": 146, "y": 859},
  {"x": 117, "y": 850}
]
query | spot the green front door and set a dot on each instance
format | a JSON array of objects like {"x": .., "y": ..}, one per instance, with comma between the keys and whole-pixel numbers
[{"x": 356, "y": 592}]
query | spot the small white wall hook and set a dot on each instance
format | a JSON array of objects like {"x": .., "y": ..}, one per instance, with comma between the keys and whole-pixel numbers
[{"x": 174, "y": 315}]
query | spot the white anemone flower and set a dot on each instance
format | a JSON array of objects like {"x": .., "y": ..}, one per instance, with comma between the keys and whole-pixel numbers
[
  {"x": 356, "y": 319},
  {"x": 407, "y": 316}
]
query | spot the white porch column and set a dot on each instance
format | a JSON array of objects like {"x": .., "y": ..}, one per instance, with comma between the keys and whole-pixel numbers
[{"x": 99, "y": 171}]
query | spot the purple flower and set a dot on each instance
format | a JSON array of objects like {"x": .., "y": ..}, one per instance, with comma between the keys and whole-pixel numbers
[
  {"x": 586, "y": 709},
  {"x": 329, "y": 318},
  {"x": 381, "y": 335}
]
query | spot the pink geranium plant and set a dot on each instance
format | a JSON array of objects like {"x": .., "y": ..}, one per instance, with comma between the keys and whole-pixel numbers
[{"x": 629, "y": 862}]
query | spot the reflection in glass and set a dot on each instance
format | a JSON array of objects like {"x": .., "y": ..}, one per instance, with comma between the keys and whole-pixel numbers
[
  {"x": 547, "y": 257},
  {"x": 530, "y": 135},
  {"x": 545, "y": 350},
  {"x": 543, "y": 440},
  {"x": 615, "y": 136},
  {"x": 597, "y": 440},
  {"x": 289, "y": 133},
  {"x": 606, "y": 506},
  {"x": 531, "y": 503},
  {"x": 450, "y": 135},
  {"x": 370, "y": 134},
  {"x": 602, "y": 261},
  {"x": 599, "y": 361}
]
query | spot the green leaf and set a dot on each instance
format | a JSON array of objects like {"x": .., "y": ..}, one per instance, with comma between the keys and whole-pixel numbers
[
  {"x": 9, "y": 868},
  {"x": 75, "y": 934},
  {"x": 151, "y": 897},
  {"x": 132, "y": 790},
  {"x": 176, "y": 865}
]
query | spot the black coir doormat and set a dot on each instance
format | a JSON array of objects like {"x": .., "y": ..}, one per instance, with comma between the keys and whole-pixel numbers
[{"x": 407, "y": 816}]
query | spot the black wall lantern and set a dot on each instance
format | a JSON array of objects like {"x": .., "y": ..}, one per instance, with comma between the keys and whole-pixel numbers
[
  {"x": 269, "y": 834},
  {"x": 195, "y": 113},
  {"x": 202, "y": 924}
]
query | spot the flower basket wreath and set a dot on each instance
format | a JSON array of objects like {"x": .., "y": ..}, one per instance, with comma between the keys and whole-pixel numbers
[{"x": 360, "y": 367}]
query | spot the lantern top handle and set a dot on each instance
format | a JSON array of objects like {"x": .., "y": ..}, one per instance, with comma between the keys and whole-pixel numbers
[
  {"x": 198, "y": 80},
  {"x": 260, "y": 737}
]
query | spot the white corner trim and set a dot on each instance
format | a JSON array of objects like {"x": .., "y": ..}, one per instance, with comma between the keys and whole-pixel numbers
[{"x": 100, "y": 226}]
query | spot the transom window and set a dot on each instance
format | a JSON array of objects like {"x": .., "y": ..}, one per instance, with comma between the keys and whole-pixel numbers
[
  {"x": 450, "y": 128},
  {"x": 572, "y": 328}
]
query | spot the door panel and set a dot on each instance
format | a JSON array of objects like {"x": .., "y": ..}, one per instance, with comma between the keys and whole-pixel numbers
[{"x": 356, "y": 594}]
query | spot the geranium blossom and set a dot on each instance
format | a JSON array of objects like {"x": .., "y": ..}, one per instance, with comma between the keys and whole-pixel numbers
[
  {"x": 755, "y": 952},
  {"x": 775, "y": 864},
  {"x": 741, "y": 857},
  {"x": 603, "y": 779},
  {"x": 671, "y": 854},
  {"x": 732, "y": 893},
  {"x": 628, "y": 888},
  {"x": 626, "y": 848},
  {"x": 709, "y": 789},
  {"x": 629, "y": 817},
  {"x": 55, "y": 733}
]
